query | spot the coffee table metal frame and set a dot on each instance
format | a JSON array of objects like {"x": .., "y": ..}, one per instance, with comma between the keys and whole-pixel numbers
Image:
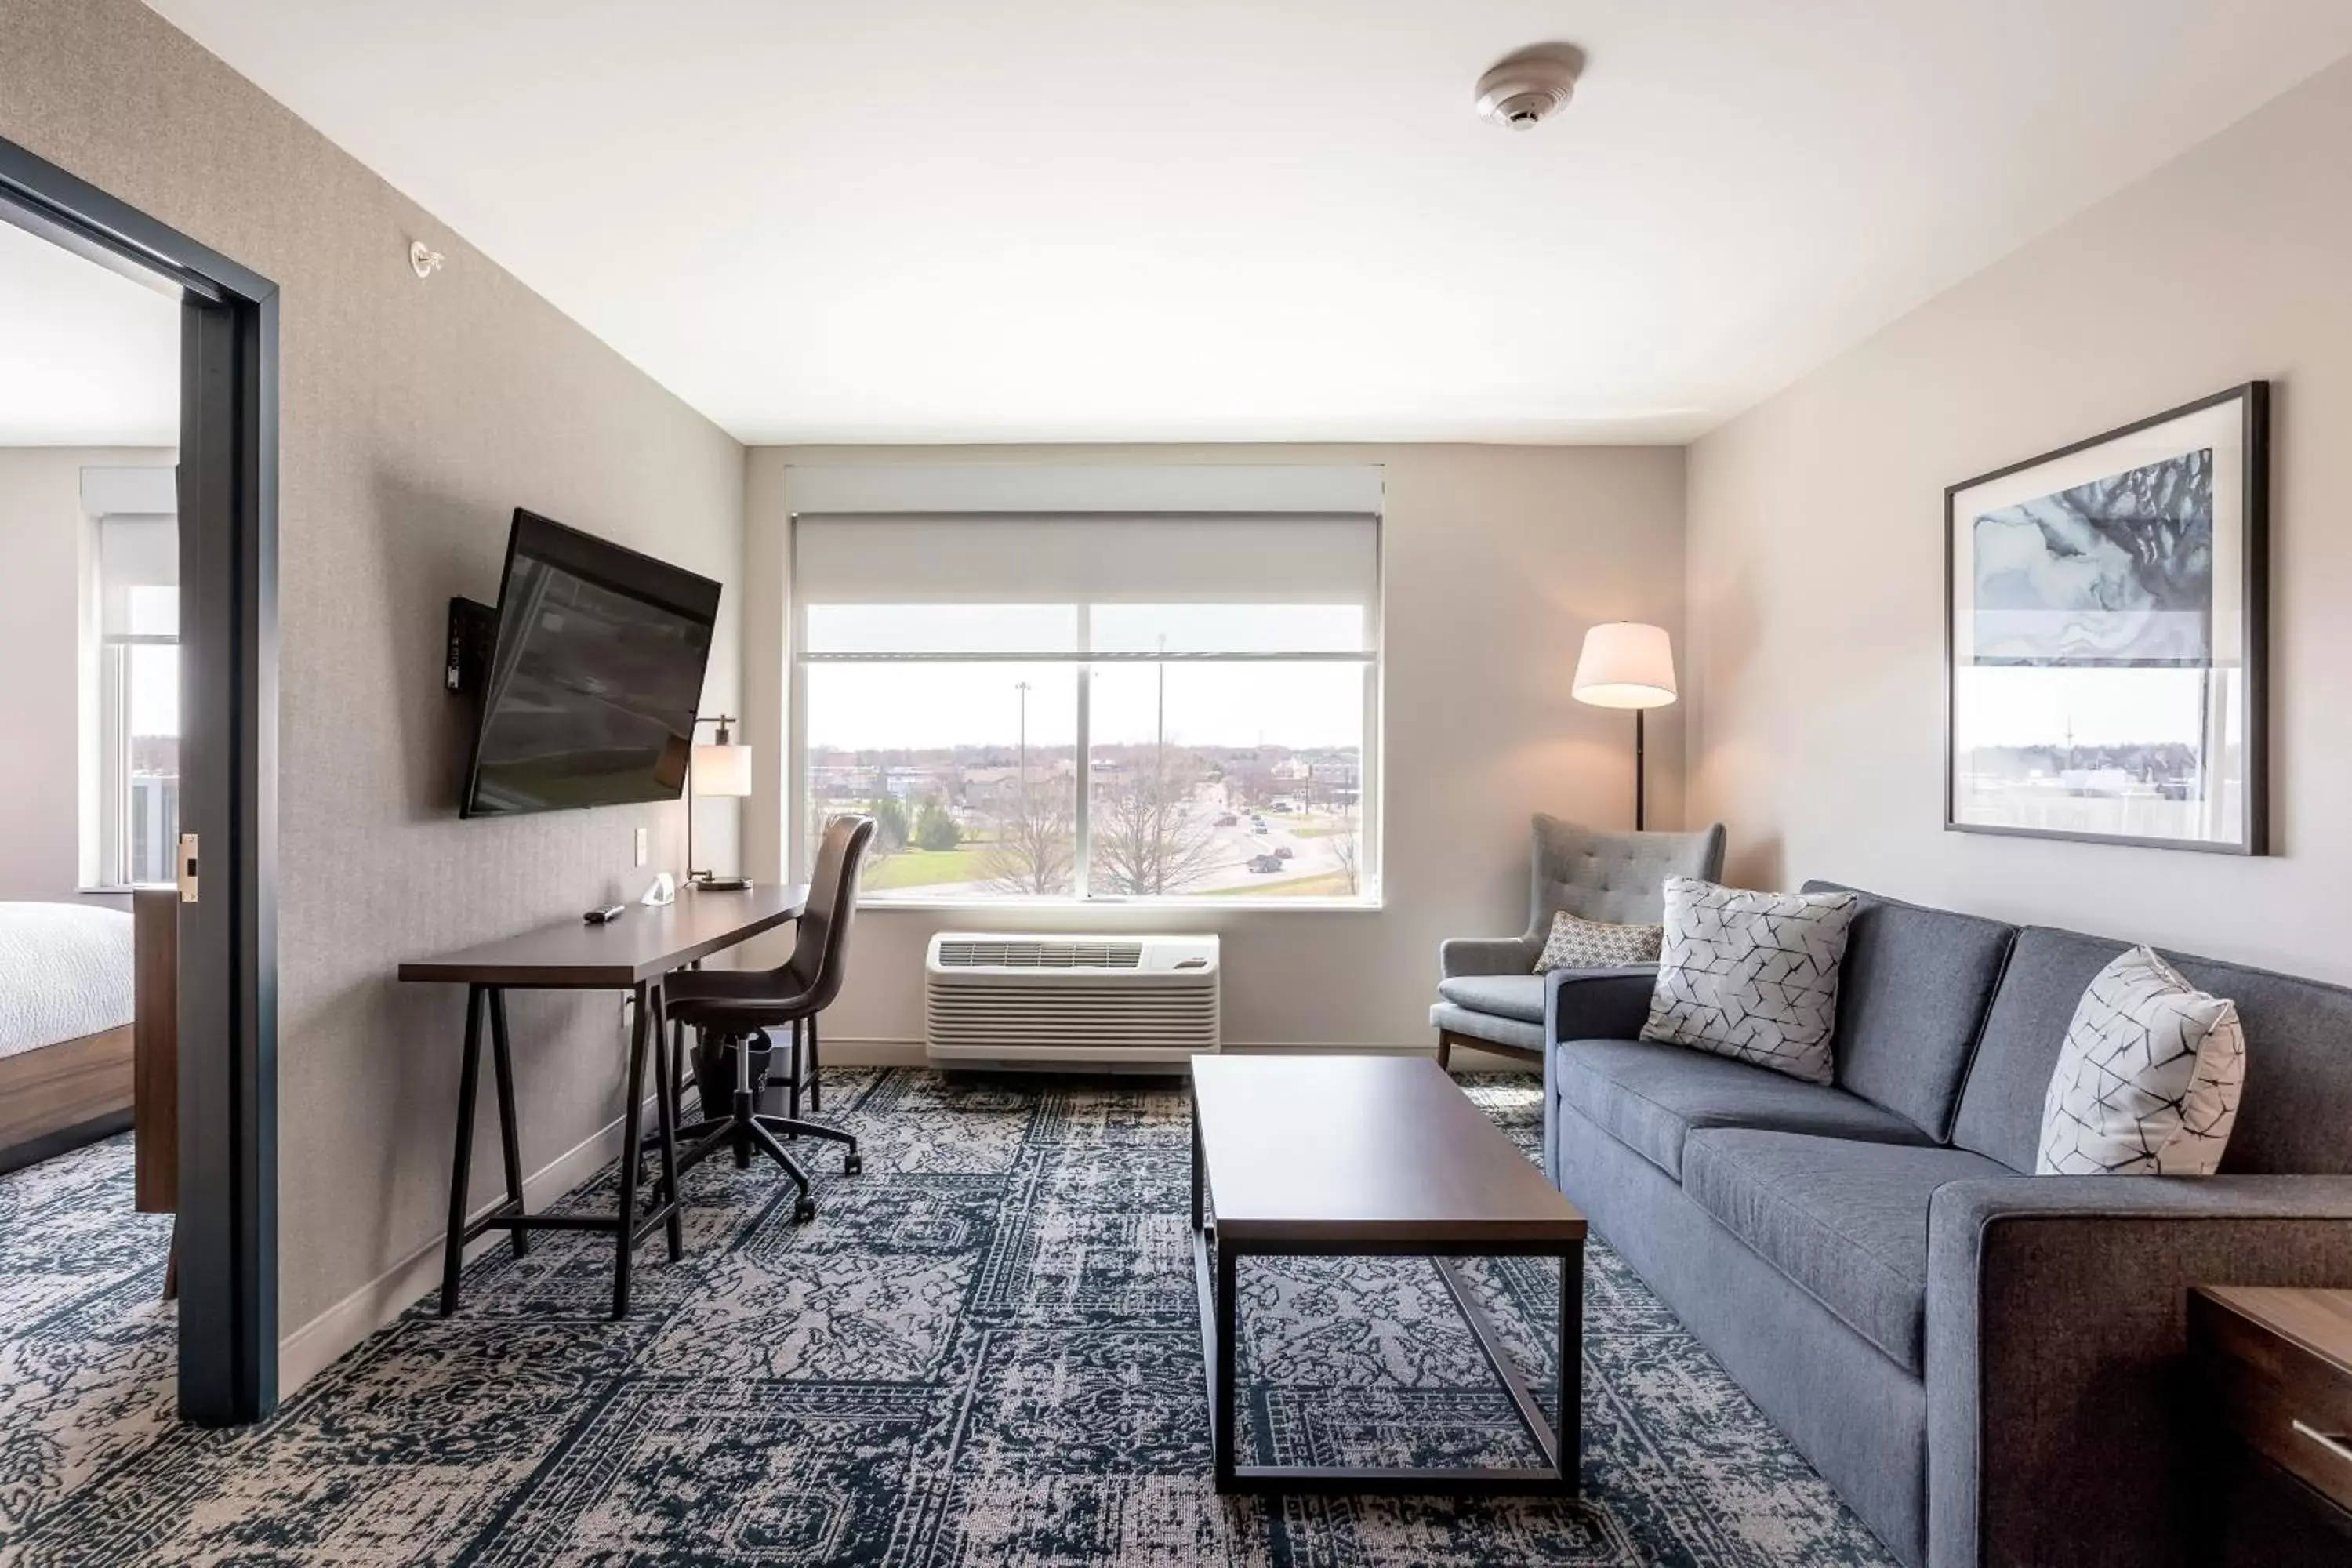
[{"x": 1215, "y": 1257}]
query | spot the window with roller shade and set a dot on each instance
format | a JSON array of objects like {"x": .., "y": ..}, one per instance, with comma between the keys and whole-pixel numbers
[
  {"x": 1112, "y": 708},
  {"x": 137, "y": 748}
]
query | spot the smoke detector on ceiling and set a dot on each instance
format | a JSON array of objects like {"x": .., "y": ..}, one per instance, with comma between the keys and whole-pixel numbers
[{"x": 1530, "y": 84}]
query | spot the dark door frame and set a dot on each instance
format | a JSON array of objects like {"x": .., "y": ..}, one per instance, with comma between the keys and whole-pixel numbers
[{"x": 228, "y": 771}]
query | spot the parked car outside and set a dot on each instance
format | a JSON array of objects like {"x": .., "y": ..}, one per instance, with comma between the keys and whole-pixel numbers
[
  {"x": 1263, "y": 863},
  {"x": 1283, "y": 852},
  {"x": 1229, "y": 820}
]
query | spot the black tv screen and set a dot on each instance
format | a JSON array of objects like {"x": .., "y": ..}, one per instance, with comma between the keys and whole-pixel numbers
[{"x": 593, "y": 677}]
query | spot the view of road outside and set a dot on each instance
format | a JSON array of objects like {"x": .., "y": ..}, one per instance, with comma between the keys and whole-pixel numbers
[{"x": 1177, "y": 808}]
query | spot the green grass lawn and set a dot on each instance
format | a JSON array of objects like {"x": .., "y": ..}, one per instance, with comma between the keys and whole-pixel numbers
[{"x": 910, "y": 867}]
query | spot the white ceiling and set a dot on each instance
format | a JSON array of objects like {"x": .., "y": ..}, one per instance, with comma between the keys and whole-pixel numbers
[
  {"x": 1255, "y": 219},
  {"x": 87, "y": 358}
]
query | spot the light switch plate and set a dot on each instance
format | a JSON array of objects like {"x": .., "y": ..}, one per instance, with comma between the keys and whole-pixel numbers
[{"x": 641, "y": 846}]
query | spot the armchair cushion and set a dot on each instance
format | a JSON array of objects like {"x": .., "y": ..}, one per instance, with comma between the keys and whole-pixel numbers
[
  {"x": 1519, "y": 996},
  {"x": 1513, "y": 1034}
]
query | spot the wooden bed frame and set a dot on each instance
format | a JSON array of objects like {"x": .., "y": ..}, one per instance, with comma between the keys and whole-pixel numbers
[{"x": 60, "y": 1097}]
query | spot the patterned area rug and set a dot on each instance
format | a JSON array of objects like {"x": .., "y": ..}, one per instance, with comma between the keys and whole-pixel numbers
[{"x": 984, "y": 1350}]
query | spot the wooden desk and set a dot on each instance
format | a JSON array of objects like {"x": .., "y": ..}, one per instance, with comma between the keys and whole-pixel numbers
[{"x": 635, "y": 953}]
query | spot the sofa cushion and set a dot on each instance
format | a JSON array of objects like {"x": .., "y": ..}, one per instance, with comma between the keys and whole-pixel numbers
[
  {"x": 1845, "y": 1221},
  {"x": 1518, "y": 996},
  {"x": 1650, "y": 1097},
  {"x": 2294, "y": 1111},
  {"x": 1912, "y": 998},
  {"x": 1517, "y": 1033}
]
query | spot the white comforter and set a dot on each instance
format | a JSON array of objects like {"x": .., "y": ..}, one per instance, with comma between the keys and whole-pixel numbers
[{"x": 64, "y": 972}]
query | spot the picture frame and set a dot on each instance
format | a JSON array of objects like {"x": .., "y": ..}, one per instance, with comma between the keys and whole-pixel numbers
[{"x": 2107, "y": 635}]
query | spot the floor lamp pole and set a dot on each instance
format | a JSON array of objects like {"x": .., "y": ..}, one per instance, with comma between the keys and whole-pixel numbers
[{"x": 1641, "y": 775}]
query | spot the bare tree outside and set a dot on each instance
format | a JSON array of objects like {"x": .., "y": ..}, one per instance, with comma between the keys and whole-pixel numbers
[
  {"x": 1147, "y": 837},
  {"x": 1349, "y": 848},
  {"x": 1033, "y": 846}
]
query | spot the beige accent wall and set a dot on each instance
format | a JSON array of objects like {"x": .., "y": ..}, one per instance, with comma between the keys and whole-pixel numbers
[
  {"x": 43, "y": 530},
  {"x": 1496, "y": 561},
  {"x": 1816, "y": 540},
  {"x": 416, "y": 416}
]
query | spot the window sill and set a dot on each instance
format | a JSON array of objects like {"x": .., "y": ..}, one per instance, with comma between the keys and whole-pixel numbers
[
  {"x": 107, "y": 890},
  {"x": 1082, "y": 908}
]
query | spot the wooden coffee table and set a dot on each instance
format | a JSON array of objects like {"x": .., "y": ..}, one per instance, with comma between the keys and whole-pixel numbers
[{"x": 1372, "y": 1157}]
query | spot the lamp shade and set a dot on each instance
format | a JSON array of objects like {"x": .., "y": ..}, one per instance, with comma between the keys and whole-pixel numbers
[
  {"x": 722, "y": 770},
  {"x": 1624, "y": 665}
]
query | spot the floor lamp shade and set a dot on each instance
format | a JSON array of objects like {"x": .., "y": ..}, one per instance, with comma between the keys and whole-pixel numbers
[{"x": 1626, "y": 664}]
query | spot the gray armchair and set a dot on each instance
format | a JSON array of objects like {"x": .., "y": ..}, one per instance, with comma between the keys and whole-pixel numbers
[{"x": 1489, "y": 995}]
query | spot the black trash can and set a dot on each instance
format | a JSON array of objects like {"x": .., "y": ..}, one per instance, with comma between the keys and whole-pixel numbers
[{"x": 714, "y": 1071}]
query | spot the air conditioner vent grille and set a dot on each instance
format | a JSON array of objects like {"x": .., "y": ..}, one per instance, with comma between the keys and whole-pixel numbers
[{"x": 1023, "y": 954}]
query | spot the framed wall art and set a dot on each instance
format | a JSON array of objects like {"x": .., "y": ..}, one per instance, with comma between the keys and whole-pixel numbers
[{"x": 2106, "y": 622}]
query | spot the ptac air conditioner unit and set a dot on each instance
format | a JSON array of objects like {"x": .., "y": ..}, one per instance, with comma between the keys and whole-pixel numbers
[{"x": 1069, "y": 1001}]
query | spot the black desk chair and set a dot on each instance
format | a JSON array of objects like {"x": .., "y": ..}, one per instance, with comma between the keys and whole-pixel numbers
[{"x": 731, "y": 1012}]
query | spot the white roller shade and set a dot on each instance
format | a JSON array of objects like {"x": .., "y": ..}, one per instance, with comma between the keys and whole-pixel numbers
[
  {"x": 139, "y": 575},
  {"x": 1201, "y": 559}
]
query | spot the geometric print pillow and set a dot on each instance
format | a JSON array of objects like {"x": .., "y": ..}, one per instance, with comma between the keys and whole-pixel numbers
[
  {"x": 2147, "y": 1081},
  {"x": 1577, "y": 944},
  {"x": 1751, "y": 975}
]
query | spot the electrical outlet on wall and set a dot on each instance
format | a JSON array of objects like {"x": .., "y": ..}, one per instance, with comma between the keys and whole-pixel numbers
[{"x": 640, "y": 841}]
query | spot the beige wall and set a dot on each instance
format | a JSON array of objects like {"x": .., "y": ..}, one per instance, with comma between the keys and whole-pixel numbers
[
  {"x": 42, "y": 528},
  {"x": 414, "y": 417},
  {"x": 1816, "y": 538},
  {"x": 1497, "y": 559}
]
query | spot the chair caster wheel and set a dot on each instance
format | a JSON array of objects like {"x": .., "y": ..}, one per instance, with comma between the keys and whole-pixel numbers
[
  {"x": 851, "y": 1165},
  {"x": 804, "y": 1210}
]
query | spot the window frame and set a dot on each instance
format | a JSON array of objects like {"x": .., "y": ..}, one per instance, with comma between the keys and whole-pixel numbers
[
  {"x": 116, "y": 799},
  {"x": 1085, "y": 659}
]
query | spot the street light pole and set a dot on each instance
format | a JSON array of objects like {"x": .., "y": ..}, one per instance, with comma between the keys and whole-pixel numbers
[{"x": 1021, "y": 779}]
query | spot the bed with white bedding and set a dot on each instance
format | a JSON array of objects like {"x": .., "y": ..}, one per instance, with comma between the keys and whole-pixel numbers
[{"x": 65, "y": 1026}]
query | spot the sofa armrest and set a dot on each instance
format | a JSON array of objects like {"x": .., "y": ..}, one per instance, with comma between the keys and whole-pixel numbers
[
  {"x": 1588, "y": 1004},
  {"x": 1598, "y": 1004},
  {"x": 2057, "y": 1320},
  {"x": 1461, "y": 955}
]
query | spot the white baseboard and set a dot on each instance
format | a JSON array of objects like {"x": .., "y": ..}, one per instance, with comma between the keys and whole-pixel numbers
[{"x": 320, "y": 1343}]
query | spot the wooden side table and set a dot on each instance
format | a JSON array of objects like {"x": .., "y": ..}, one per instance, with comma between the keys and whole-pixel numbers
[{"x": 2275, "y": 1365}]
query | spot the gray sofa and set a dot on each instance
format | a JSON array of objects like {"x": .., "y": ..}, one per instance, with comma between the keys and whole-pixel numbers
[{"x": 1987, "y": 1365}]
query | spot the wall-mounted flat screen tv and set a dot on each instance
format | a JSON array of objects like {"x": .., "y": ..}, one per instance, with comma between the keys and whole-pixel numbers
[{"x": 593, "y": 675}]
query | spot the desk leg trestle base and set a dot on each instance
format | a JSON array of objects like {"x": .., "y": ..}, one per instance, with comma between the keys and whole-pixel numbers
[{"x": 625, "y": 1225}]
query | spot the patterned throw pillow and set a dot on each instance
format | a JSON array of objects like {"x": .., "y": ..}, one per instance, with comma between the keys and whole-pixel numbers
[
  {"x": 2147, "y": 1081},
  {"x": 1578, "y": 943},
  {"x": 1751, "y": 975}
]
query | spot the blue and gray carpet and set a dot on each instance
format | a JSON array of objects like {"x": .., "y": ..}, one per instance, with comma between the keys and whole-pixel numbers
[{"x": 984, "y": 1350}]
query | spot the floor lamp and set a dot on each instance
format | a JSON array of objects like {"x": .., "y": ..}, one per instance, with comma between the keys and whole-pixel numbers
[
  {"x": 720, "y": 769},
  {"x": 1628, "y": 664}
]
